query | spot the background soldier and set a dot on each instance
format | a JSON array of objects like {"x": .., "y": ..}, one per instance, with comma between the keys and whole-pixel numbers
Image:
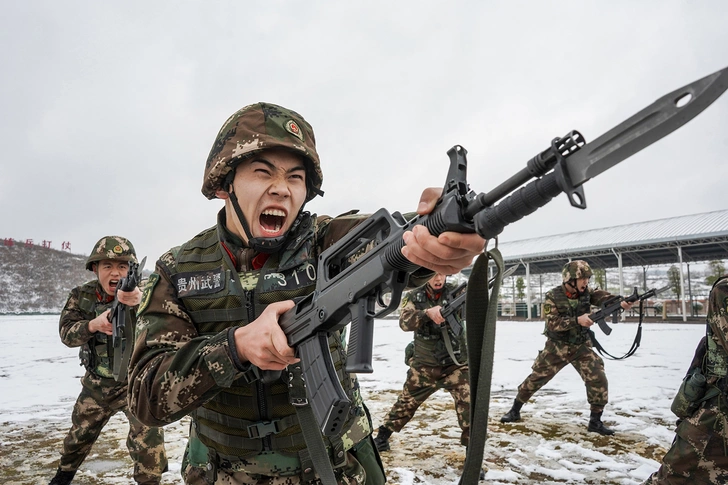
[
  {"x": 431, "y": 365},
  {"x": 209, "y": 316},
  {"x": 567, "y": 309},
  {"x": 698, "y": 453},
  {"x": 85, "y": 323}
]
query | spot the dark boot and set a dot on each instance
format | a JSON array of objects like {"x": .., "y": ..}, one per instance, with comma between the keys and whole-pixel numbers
[
  {"x": 596, "y": 425},
  {"x": 62, "y": 478},
  {"x": 382, "y": 439},
  {"x": 514, "y": 414}
]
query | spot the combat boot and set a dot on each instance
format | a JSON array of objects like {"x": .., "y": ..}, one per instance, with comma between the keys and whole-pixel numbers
[
  {"x": 62, "y": 478},
  {"x": 382, "y": 439},
  {"x": 514, "y": 414},
  {"x": 596, "y": 425}
]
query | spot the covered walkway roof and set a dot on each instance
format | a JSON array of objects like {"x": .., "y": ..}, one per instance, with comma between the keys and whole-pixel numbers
[{"x": 699, "y": 237}]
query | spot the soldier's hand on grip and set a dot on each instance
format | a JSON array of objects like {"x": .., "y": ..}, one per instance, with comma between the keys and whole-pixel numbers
[{"x": 263, "y": 343}]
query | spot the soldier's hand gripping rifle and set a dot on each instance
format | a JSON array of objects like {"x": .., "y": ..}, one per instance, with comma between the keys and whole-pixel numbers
[
  {"x": 355, "y": 273},
  {"x": 122, "y": 329},
  {"x": 456, "y": 300},
  {"x": 613, "y": 307}
]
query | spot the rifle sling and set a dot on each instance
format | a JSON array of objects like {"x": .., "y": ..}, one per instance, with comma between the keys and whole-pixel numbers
[
  {"x": 448, "y": 344},
  {"x": 630, "y": 352},
  {"x": 481, "y": 313}
]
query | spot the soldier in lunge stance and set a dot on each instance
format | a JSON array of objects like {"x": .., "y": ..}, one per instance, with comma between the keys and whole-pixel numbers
[
  {"x": 85, "y": 323},
  {"x": 208, "y": 321},
  {"x": 437, "y": 359},
  {"x": 567, "y": 308}
]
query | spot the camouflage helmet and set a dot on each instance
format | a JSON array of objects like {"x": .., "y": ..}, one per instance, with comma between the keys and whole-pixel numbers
[
  {"x": 111, "y": 247},
  {"x": 575, "y": 270},
  {"x": 253, "y": 129}
]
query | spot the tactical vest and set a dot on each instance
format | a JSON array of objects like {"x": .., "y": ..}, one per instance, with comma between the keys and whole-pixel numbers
[
  {"x": 716, "y": 359},
  {"x": 429, "y": 348},
  {"x": 251, "y": 418},
  {"x": 95, "y": 354},
  {"x": 576, "y": 335}
]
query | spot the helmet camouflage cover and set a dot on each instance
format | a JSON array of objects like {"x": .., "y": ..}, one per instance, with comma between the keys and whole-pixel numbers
[
  {"x": 111, "y": 247},
  {"x": 575, "y": 270},
  {"x": 255, "y": 128}
]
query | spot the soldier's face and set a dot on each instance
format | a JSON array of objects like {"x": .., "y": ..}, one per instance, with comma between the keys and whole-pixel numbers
[
  {"x": 437, "y": 281},
  {"x": 109, "y": 272},
  {"x": 581, "y": 284},
  {"x": 271, "y": 189}
]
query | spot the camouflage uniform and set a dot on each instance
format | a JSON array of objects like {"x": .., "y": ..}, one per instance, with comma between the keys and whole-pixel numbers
[
  {"x": 430, "y": 365},
  {"x": 568, "y": 343},
  {"x": 185, "y": 360},
  {"x": 698, "y": 453},
  {"x": 101, "y": 396}
]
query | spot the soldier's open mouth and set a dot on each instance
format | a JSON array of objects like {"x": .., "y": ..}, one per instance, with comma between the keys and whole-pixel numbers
[{"x": 272, "y": 220}]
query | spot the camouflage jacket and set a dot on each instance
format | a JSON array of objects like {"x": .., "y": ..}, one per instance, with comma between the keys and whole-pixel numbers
[
  {"x": 85, "y": 303},
  {"x": 716, "y": 361},
  {"x": 174, "y": 369},
  {"x": 561, "y": 312},
  {"x": 429, "y": 345}
]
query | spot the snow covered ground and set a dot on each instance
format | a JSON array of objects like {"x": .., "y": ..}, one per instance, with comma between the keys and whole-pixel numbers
[{"x": 39, "y": 383}]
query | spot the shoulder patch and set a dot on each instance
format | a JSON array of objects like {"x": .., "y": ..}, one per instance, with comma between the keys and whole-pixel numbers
[
  {"x": 147, "y": 294},
  {"x": 547, "y": 308}
]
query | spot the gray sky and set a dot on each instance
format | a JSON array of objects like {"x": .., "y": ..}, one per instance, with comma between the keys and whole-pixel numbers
[{"x": 109, "y": 109}]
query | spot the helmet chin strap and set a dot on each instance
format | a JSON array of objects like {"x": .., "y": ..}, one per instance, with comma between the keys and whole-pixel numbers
[
  {"x": 572, "y": 284},
  {"x": 263, "y": 244}
]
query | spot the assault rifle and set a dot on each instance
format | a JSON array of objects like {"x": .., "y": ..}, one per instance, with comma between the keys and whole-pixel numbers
[
  {"x": 355, "y": 273},
  {"x": 453, "y": 303},
  {"x": 122, "y": 332},
  {"x": 613, "y": 306}
]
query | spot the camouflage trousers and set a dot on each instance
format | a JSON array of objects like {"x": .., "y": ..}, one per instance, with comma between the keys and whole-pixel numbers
[
  {"x": 699, "y": 452},
  {"x": 100, "y": 399},
  {"x": 554, "y": 357},
  {"x": 421, "y": 383}
]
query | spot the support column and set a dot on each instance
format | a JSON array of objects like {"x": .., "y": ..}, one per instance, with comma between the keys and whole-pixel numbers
[
  {"x": 528, "y": 288},
  {"x": 621, "y": 279},
  {"x": 682, "y": 283}
]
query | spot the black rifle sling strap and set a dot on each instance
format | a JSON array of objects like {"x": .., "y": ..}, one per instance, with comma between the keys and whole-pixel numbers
[
  {"x": 448, "y": 344},
  {"x": 630, "y": 352},
  {"x": 481, "y": 313},
  {"x": 309, "y": 427}
]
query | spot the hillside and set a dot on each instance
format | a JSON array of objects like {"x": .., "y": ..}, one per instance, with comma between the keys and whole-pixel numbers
[{"x": 34, "y": 279}]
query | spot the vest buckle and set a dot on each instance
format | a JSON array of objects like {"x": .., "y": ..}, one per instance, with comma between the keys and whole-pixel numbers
[{"x": 264, "y": 428}]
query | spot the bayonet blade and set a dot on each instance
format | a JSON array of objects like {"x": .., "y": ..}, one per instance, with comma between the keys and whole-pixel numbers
[{"x": 659, "y": 119}]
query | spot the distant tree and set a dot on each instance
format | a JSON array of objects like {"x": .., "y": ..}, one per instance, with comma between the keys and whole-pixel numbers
[
  {"x": 716, "y": 269},
  {"x": 520, "y": 286},
  {"x": 673, "y": 279},
  {"x": 600, "y": 278}
]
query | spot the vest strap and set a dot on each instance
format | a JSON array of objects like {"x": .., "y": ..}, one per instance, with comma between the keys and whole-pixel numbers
[{"x": 255, "y": 429}]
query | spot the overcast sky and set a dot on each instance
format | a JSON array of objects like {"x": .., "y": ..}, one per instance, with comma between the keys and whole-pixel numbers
[{"x": 109, "y": 109}]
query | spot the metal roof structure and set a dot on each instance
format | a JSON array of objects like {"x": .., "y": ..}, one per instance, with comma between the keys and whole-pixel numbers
[{"x": 691, "y": 238}]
